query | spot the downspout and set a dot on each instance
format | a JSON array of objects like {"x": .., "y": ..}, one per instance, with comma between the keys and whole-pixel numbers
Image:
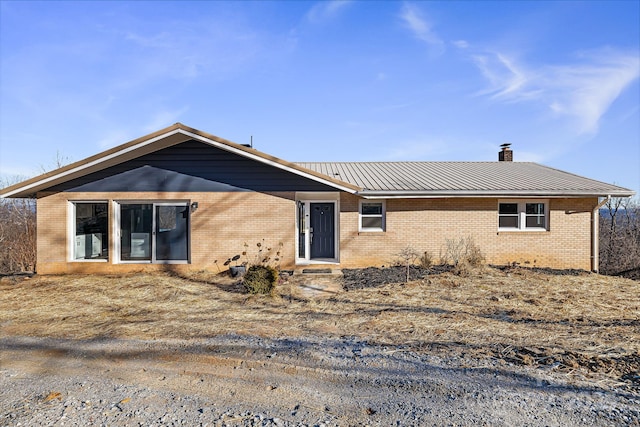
[{"x": 595, "y": 238}]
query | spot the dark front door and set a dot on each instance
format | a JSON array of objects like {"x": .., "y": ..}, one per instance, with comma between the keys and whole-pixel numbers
[{"x": 322, "y": 230}]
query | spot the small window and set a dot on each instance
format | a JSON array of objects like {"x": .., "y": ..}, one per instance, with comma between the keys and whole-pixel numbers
[
  {"x": 90, "y": 226},
  {"x": 508, "y": 215},
  {"x": 522, "y": 215},
  {"x": 372, "y": 216},
  {"x": 535, "y": 215}
]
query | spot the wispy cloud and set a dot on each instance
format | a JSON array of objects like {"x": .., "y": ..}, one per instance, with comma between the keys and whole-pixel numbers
[
  {"x": 586, "y": 91},
  {"x": 130, "y": 65},
  {"x": 326, "y": 10},
  {"x": 460, "y": 44},
  {"x": 160, "y": 40},
  {"x": 507, "y": 79},
  {"x": 414, "y": 19},
  {"x": 390, "y": 107},
  {"x": 164, "y": 118},
  {"x": 182, "y": 51},
  {"x": 116, "y": 137},
  {"x": 582, "y": 91}
]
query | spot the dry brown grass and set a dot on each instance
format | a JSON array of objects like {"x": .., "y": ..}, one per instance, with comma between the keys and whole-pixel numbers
[{"x": 587, "y": 314}]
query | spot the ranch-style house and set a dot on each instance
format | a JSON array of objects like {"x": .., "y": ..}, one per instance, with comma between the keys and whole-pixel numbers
[{"x": 191, "y": 200}]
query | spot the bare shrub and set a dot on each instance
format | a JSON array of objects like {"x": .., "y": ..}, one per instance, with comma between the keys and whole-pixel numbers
[
  {"x": 407, "y": 257},
  {"x": 454, "y": 251},
  {"x": 442, "y": 257},
  {"x": 462, "y": 269},
  {"x": 262, "y": 268},
  {"x": 463, "y": 253},
  {"x": 619, "y": 236},
  {"x": 264, "y": 255},
  {"x": 260, "y": 279},
  {"x": 474, "y": 255},
  {"x": 17, "y": 233},
  {"x": 426, "y": 259}
]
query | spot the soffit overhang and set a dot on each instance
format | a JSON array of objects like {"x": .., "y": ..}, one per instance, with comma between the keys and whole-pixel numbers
[{"x": 491, "y": 194}]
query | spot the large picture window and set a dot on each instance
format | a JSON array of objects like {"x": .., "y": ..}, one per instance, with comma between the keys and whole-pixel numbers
[
  {"x": 154, "y": 232},
  {"x": 372, "y": 216},
  {"x": 526, "y": 215},
  {"x": 91, "y": 236}
]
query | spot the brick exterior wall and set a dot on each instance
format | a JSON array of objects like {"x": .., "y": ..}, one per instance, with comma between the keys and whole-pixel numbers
[
  {"x": 220, "y": 226},
  {"x": 426, "y": 224},
  {"x": 223, "y": 222}
]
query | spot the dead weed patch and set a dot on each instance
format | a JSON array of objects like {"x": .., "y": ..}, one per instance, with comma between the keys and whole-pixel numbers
[{"x": 525, "y": 317}]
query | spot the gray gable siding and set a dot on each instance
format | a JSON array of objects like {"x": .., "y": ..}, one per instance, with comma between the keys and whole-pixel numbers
[{"x": 191, "y": 166}]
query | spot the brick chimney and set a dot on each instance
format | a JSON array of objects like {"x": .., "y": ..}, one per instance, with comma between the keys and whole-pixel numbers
[{"x": 506, "y": 155}]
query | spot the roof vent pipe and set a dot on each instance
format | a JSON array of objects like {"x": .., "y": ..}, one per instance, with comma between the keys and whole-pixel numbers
[{"x": 506, "y": 155}]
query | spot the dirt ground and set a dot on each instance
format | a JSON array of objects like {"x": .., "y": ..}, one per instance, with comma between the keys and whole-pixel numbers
[{"x": 573, "y": 330}]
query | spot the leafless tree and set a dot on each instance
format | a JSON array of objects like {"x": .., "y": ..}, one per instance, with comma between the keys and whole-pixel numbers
[
  {"x": 17, "y": 233},
  {"x": 407, "y": 257},
  {"x": 18, "y": 225},
  {"x": 59, "y": 161},
  {"x": 620, "y": 236}
]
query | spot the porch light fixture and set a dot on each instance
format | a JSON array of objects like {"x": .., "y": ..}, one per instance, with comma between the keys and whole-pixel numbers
[{"x": 194, "y": 206}]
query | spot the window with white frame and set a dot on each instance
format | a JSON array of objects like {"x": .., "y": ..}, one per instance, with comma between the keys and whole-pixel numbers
[
  {"x": 372, "y": 215},
  {"x": 90, "y": 231},
  {"x": 517, "y": 215}
]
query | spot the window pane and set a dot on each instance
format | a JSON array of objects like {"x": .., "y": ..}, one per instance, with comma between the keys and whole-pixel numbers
[
  {"x": 508, "y": 208},
  {"x": 508, "y": 222},
  {"x": 372, "y": 222},
  {"x": 536, "y": 221},
  {"x": 372, "y": 209},
  {"x": 91, "y": 235},
  {"x": 535, "y": 208},
  {"x": 172, "y": 233},
  {"x": 301, "y": 231},
  {"x": 136, "y": 223},
  {"x": 166, "y": 218}
]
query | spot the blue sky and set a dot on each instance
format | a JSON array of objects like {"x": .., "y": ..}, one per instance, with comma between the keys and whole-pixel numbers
[{"x": 328, "y": 81}]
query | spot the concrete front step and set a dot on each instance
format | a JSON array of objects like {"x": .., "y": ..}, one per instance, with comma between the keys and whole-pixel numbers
[
  {"x": 317, "y": 284},
  {"x": 317, "y": 271}
]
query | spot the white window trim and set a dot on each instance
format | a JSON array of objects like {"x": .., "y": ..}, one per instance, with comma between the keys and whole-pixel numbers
[
  {"x": 71, "y": 230},
  {"x": 522, "y": 215},
  {"x": 383, "y": 215},
  {"x": 317, "y": 197}
]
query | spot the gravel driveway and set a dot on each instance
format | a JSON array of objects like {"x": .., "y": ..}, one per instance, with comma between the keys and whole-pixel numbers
[{"x": 252, "y": 381}]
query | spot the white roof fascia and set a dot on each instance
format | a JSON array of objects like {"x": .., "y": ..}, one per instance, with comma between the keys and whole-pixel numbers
[
  {"x": 475, "y": 194},
  {"x": 167, "y": 134},
  {"x": 91, "y": 164}
]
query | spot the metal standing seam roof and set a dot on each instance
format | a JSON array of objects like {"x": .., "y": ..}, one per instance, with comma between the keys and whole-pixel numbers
[
  {"x": 368, "y": 179},
  {"x": 463, "y": 178}
]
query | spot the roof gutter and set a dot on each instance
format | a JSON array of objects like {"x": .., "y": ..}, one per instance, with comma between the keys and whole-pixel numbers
[
  {"x": 595, "y": 235},
  {"x": 403, "y": 194}
]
